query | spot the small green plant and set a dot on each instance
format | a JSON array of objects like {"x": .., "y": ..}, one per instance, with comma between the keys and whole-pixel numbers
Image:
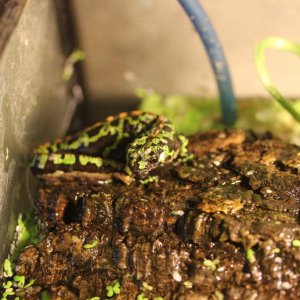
[
  {"x": 68, "y": 70},
  {"x": 141, "y": 297},
  {"x": 113, "y": 289},
  {"x": 27, "y": 233},
  {"x": 13, "y": 285},
  {"x": 91, "y": 245},
  {"x": 250, "y": 255},
  {"x": 212, "y": 264},
  {"x": 296, "y": 243}
]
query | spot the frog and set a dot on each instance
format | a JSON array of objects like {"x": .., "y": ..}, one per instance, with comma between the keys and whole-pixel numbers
[{"x": 134, "y": 142}]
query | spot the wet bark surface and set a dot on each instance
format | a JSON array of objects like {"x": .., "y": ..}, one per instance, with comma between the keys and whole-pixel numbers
[{"x": 223, "y": 226}]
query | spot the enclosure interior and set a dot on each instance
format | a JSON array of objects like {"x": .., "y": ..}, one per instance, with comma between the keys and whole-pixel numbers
[{"x": 129, "y": 44}]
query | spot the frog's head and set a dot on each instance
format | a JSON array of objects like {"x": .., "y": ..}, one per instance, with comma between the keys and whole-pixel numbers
[{"x": 144, "y": 155}]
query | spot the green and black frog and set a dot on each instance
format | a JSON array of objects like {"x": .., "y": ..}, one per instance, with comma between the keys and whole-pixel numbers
[{"x": 135, "y": 142}]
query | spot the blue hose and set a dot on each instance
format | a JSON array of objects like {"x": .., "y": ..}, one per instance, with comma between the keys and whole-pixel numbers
[{"x": 217, "y": 59}]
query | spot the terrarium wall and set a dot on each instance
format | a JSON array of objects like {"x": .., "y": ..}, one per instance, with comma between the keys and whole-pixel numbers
[
  {"x": 152, "y": 44},
  {"x": 34, "y": 106}
]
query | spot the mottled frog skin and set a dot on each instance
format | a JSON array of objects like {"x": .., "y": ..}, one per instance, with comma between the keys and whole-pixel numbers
[{"x": 137, "y": 142}]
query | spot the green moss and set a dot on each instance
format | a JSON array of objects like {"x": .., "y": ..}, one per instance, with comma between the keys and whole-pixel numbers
[
  {"x": 192, "y": 114},
  {"x": 28, "y": 233},
  {"x": 187, "y": 113}
]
